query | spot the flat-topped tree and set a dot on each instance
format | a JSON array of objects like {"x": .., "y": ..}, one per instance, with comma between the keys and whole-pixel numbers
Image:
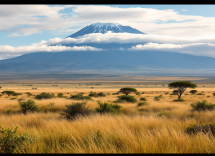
[
  {"x": 127, "y": 90},
  {"x": 181, "y": 86},
  {"x": 8, "y": 92}
]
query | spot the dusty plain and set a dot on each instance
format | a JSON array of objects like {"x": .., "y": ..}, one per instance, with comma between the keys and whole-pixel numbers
[{"x": 155, "y": 128}]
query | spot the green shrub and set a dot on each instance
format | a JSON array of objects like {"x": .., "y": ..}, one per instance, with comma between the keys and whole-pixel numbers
[
  {"x": 142, "y": 93},
  {"x": 28, "y": 106},
  {"x": 10, "y": 141},
  {"x": 120, "y": 101},
  {"x": 157, "y": 98},
  {"x": 200, "y": 94},
  {"x": 76, "y": 109},
  {"x": 80, "y": 97},
  {"x": 166, "y": 114},
  {"x": 178, "y": 100},
  {"x": 117, "y": 93},
  {"x": 44, "y": 95},
  {"x": 29, "y": 94},
  {"x": 213, "y": 94},
  {"x": 142, "y": 99},
  {"x": 16, "y": 94},
  {"x": 93, "y": 94},
  {"x": 13, "y": 98},
  {"x": 101, "y": 94},
  {"x": 0, "y": 95},
  {"x": 205, "y": 128},
  {"x": 142, "y": 104},
  {"x": 21, "y": 99},
  {"x": 60, "y": 94},
  {"x": 202, "y": 106},
  {"x": 126, "y": 98},
  {"x": 193, "y": 91},
  {"x": 137, "y": 93},
  {"x": 108, "y": 108}
]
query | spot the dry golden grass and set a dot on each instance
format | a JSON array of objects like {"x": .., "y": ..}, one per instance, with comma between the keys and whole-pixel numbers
[{"x": 155, "y": 128}]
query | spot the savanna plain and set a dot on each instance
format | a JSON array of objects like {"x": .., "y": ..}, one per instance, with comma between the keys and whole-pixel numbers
[{"x": 158, "y": 126}]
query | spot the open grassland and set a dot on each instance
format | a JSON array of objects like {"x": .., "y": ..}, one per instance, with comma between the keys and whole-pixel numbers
[{"x": 155, "y": 128}]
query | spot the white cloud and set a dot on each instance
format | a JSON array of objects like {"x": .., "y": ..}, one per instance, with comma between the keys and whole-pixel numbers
[
  {"x": 183, "y": 9},
  {"x": 151, "y": 45},
  {"x": 7, "y": 51},
  {"x": 130, "y": 38},
  {"x": 199, "y": 49},
  {"x": 24, "y": 20}
]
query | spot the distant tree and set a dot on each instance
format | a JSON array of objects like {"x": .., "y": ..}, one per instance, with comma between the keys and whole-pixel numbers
[
  {"x": 193, "y": 91},
  {"x": 8, "y": 92},
  {"x": 181, "y": 86},
  {"x": 127, "y": 90},
  {"x": 0, "y": 87}
]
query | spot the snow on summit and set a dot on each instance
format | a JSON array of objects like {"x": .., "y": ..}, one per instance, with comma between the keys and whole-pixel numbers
[
  {"x": 105, "y": 24},
  {"x": 104, "y": 28}
]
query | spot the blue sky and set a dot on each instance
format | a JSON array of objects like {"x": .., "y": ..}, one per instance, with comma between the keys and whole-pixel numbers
[{"x": 24, "y": 25}]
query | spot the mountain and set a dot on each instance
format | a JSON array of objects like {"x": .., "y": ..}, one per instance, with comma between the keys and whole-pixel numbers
[
  {"x": 112, "y": 62},
  {"x": 104, "y": 27}
]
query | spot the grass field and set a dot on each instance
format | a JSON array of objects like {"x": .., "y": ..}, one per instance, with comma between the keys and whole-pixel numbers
[{"x": 155, "y": 128}]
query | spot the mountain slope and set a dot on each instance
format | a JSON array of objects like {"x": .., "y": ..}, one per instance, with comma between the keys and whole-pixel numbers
[
  {"x": 103, "y": 28},
  {"x": 104, "y": 62}
]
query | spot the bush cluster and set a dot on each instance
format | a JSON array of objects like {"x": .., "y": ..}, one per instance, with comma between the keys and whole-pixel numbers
[
  {"x": 93, "y": 94},
  {"x": 76, "y": 109},
  {"x": 28, "y": 106},
  {"x": 108, "y": 108},
  {"x": 44, "y": 95},
  {"x": 202, "y": 106},
  {"x": 80, "y": 97},
  {"x": 60, "y": 94},
  {"x": 101, "y": 94},
  {"x": 29, "y": 94},
  {"x": 10, "y": 141},
  {"x": 157, "y": 98},
  {"x": 117, "y": 93},
  {"x": 205, "y": 128},
  {"x": 125, "y": 98},
  {"x": 200, "y": 94},
  {"x": 142, "y": 104},
  {"x": 142, "y": 99}
]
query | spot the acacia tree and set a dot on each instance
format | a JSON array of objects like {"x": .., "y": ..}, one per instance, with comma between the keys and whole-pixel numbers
[
  {"x": 8, "y": 92},
  {"x": 127, "y": 90},
  {"x": 181, "y": 86}
]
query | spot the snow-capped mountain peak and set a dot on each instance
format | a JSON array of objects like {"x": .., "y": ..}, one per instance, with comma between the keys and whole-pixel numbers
[
  {"x": 98, "y": 24},
  {"x": 104, "y": 28}
]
